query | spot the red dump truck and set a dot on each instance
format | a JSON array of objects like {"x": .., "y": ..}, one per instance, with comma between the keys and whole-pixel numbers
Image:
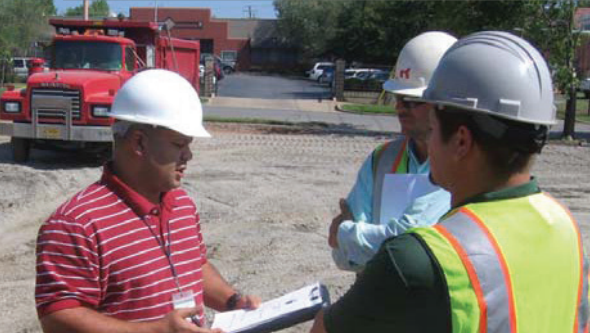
[{"x": 68, "y": 106}]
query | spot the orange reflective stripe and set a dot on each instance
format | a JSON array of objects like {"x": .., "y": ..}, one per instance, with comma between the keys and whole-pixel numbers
[
  {"x": 581, "y": 255},
  {"x": 483, "y": 308},
  {"x": 399, "y": 156},
  {"x": 502, "y": 260}
]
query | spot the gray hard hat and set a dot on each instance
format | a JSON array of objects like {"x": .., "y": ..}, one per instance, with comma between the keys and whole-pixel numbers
[{"x": 495, "y": 73}]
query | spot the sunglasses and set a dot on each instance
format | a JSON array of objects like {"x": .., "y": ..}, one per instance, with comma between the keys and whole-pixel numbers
[{"x": 407, "y": 103}]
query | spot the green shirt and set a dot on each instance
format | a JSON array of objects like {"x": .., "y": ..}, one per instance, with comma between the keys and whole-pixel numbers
[{"x": 403, "y": 289}]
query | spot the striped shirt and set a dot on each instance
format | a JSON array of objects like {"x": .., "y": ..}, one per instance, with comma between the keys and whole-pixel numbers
[{"x": 105, "y": 249}]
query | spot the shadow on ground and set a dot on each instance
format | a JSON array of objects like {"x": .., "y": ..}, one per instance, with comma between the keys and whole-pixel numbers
[{"x": 51, "y": 160}]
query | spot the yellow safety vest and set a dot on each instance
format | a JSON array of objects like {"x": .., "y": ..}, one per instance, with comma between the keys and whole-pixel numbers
[
  {"x": 512, "y": 266},
  {"x": 390, "y": 157}
]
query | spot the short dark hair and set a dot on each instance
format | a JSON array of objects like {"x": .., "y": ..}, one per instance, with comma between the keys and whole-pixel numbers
[{"x": 508, "y": 145}]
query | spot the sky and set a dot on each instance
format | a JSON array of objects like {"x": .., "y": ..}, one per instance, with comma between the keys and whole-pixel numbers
[{"x": 220, "y": 8}]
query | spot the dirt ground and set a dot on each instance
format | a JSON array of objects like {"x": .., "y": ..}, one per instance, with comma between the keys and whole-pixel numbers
[{"x": 266, "y": 196}]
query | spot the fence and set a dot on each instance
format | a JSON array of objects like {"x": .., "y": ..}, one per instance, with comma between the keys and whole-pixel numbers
[{"x": 361, "y": 84}]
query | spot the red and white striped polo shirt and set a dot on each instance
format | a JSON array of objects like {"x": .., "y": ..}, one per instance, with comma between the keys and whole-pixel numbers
[{"x": 97, "y": 251}]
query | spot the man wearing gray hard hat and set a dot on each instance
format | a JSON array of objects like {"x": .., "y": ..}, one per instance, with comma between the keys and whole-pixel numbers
[
  {"x": 507, "y": 257},
  {"x": 126, "y": 254}
]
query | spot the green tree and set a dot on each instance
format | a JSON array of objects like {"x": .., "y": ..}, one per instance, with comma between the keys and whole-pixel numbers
[
  {"x": 23, "y": 22},
  {"x": 309, "y": 24},
  {"x": 375, "y": 31},
  {"x": 97, "y": 8},
  {"x": 552, "y": 31}
]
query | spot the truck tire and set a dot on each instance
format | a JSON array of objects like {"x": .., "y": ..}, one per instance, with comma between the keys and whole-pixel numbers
[{"x": 21, "y": 149}]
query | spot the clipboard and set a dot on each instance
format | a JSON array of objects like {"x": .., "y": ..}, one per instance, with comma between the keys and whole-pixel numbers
[
  {"x": 399, "y": 191},
  {"x": 279, "y": 313}
]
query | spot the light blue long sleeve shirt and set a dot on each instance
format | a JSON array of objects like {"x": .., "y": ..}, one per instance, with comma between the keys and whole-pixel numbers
[{"x": 360, "y": 239}]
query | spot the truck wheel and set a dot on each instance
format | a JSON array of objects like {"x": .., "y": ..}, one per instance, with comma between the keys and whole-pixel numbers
[{"x": 21, "y": 149}]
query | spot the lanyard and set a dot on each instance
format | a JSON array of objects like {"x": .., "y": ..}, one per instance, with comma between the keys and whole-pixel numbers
[{"x": 165, "y": 248}]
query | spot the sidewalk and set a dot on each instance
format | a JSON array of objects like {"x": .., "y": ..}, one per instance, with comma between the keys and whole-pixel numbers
[
  {"x": 312, "y": 111},
  {"x": 317, "y": 105}
]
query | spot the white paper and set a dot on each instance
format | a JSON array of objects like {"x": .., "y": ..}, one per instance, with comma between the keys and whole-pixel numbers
[
  {"x": 399, "y": 191},
  {"x": 239, "y": 319}
]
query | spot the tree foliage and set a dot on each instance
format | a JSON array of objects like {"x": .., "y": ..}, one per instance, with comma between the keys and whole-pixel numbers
[
  {"x": 23, "y": 22},
  {"x": 375, "y": 31},
  {"x": 97, "y": 8}
]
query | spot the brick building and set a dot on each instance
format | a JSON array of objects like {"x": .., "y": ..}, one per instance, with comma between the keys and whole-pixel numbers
[{"x": 250, "y": 43}]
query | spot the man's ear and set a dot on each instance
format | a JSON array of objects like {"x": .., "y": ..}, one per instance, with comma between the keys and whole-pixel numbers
[
  {"x": 138, "y": 141},
  {"x": 463, "y": 140}
]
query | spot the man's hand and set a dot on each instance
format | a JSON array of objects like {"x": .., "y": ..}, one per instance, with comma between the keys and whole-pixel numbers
[
  {"x": 178, "y": 321},
  {"x": 248, "y": 302},
  {"x": 344, "y": 215}
]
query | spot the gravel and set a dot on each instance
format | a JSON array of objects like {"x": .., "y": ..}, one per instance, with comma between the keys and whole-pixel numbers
[{"x": 266, "y": 195}]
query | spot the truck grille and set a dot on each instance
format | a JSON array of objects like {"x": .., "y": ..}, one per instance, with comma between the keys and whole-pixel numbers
[{"x": 49, "y": 103}]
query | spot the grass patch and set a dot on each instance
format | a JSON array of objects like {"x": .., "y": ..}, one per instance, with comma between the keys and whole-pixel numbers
[
  {"x": 582, "y": 112},
  {"x": 368, "y": 108},
  {"x": 17, "y": 86},
  {"x": 247, "y": 121}
]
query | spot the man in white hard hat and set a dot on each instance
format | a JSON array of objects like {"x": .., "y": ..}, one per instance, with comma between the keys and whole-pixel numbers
[
  {"x": 508, "y": 257},
  {"x": 126, "y": 254},
  {"x": 392, "y": 192}
]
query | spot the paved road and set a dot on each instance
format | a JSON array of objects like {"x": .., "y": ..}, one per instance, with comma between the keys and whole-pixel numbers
[
  {"x": 298, "y": 100},
  {"x": 270, "y": 87}
]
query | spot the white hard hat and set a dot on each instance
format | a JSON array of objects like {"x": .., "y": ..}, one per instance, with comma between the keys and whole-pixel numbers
[
  {"x": 495, "y": 73},
  {"x": 417, "y": 61},
  {"x": 162, "y": 98}
]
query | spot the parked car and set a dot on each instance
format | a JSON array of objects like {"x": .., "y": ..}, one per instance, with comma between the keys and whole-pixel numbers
[
  {"x": 584, "y": 87},
  {"x": 360, "y": 73},
  {"x": 365, "y": 79},
  {"x": 327, "y": 76},
  {"x": 318, "y": 69},
  {"x": 379, "y": 75},
  {"x": 20, "y": 66},
  {"x": 227, "y": 67}
]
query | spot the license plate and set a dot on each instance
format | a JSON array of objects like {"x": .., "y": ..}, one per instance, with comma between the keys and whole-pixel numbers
[{"x": 52, "y": 133}]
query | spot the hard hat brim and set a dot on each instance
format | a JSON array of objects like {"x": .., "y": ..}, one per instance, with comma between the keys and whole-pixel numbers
[
  {"x": 396, "y": 87},
  {"x": 484, "y": 111},
  {"x": 192, "y": 131}
]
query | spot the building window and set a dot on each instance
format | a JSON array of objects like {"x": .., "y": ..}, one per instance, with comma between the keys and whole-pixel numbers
[{"x": 229, "y": 56}]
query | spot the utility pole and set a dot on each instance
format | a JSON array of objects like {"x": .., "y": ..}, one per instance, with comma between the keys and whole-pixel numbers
[
  {"x": 251, "y": 13},
  {"x": 86, "y": 6},
  {"x": 156, "y": 11}
]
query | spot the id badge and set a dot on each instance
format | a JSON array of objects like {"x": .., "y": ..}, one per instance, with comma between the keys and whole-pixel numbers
[
  {"x": 186, "y": 299},
  {"x": 183, "y": 300}
]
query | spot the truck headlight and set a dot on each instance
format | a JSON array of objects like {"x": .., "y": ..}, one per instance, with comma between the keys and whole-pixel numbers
[
  {"x": 12, "y": 107},
  {"x": 100, "y": 111}
]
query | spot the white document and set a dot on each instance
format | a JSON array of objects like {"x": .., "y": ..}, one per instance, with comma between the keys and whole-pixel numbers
[
  {"x": 237, "y": 320},
  {"x": 399, "y": 191}
]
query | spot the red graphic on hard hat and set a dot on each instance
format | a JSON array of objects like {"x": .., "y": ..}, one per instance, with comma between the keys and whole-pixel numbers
[{"x": 404, "y": 72}]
